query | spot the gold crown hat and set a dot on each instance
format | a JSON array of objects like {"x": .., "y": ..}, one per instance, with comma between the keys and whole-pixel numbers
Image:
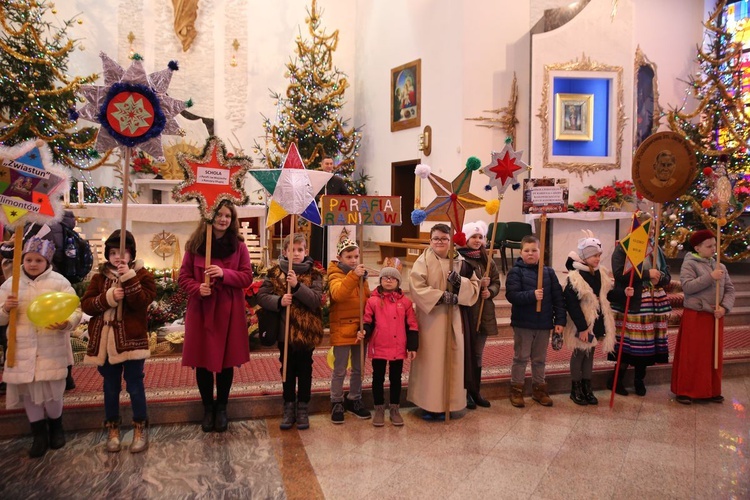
[
  {"x": 43, "y": 247},
  {"x": 347, "y": 244}
]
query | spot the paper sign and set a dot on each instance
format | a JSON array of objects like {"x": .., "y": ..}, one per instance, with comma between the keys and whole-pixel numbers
[
  {"x": 545, "y": 195},
  {"x": 346, "y": 210}
]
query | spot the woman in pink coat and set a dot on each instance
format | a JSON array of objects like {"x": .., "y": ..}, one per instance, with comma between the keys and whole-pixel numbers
[
  {"x": 215, "y": 322},
  {"x": 391, "y": 327}
]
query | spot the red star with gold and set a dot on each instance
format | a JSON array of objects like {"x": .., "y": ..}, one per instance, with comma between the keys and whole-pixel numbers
[
  {"x": 504, "y": 168},
  {"x": 212, "y": 178}
]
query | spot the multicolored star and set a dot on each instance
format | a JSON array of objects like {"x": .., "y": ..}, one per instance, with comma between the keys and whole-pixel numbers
[
  {"x": 504, "y": 168},
  {"x": 453, "y": 199}
]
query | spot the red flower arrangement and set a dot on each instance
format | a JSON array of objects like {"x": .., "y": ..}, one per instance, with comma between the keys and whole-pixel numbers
[
  {"x": 608, "y": 197},
  {"x": 142, "y": 164}
]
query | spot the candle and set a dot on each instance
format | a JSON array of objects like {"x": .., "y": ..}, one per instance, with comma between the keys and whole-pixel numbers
[
  {"x": 80, "y": 193},
  {"x": 66, "y": 197}
]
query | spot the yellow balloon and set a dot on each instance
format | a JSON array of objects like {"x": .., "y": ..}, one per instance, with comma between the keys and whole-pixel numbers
[
  {"x": 53, "y": 307},
  {"x": 331, "y": 358}
]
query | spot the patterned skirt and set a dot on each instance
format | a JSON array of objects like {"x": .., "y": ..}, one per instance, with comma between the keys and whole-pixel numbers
[{"x": 645, "y": 341}]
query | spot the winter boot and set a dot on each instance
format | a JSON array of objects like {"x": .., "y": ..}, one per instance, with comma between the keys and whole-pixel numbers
[
  {"x": 337, "y": 412},
  {"x": 221, "y": 422},
  {"x": 576, "y": 393},
  {"x": 70, "y": 384},
  {"x": 470, "y": 403},
  {"x": 379, "y": 419},
  {"x": 56, "y": 433},
  {"x": 640, "y": 374},
  {"x": 113, "y": 435},
  {"x": 140, "y": 437},
  {"x": 303, "y": 420},
  {"x": 288, "y": 418},
  {"x": 207, "y": 424},
  {"x": 539, "y": 394},
  {"x": 396, "y": 418},
  {"x": 588, "y": 393},
  {"x": 478, "y": 399},
  {"x": 516, "y": 395},
  {"x": 357, "y": 407},
  {"x": 620, "y": 389},
  {"x": 41, "y": 439}
]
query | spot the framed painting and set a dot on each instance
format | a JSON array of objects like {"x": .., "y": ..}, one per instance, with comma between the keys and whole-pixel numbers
[
  {"x": 574, "y": 117},
  {"x": 406, "y": 101}
]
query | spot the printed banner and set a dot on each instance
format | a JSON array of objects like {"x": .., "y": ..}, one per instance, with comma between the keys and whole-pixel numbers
[{"x": 361, "y": 210}]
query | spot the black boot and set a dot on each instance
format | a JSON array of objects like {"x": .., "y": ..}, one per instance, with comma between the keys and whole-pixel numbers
[
  {"x": 576, "y": 393},
  {"x": 70, "y": 384},
  {"x": 640, "y": 374},
  {"x": 620, "y": 389},
  {"x": 478, "y": 399},
  {"x": 221, "y": 422},
  {"x": 56, "y": 433},
  {"x": 207, "y": 424},
  {"x": 41, "y": 439},
  {"x": 289, "y": 416},
  {"x": 303, "y": 420},
  {"x": 588, "y": 393},
  {"x": 470, "y": 403}
]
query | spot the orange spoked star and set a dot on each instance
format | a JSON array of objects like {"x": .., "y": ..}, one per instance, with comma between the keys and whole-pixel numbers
[
  {"x": 504, "y": 168},
  {"x": 212, "y": 178}
]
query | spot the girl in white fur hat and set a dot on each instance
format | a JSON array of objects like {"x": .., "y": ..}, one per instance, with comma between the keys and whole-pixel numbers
[
  {"x": 591, "y": 319},
  {"x": 476, "y": 256}
]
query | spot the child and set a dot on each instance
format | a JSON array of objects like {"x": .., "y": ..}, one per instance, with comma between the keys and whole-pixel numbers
[
  {"x": 693, "y": 373},
  {"x": 391, "y": 327},
  {"x": 475, "y": 255},
  {"x": 428, "y": 284},
  {"x": 303, "y": 305},
  {"x": 531, "y": 329},
  {"x": 590, "y": 316},
  {"x": 37, "y": 380},
  {"x": 215, "y": 320},
  {"x": 343, "y": 284},
  {"x": 119, "y": 346}
]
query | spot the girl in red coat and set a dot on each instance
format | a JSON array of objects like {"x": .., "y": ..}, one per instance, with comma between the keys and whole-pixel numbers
[
  {"x": 215, "y": 322},
  {"x": 391, "y": 327}
]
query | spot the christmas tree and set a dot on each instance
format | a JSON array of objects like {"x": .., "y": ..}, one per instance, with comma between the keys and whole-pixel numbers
[
  {"x": 308, "y": 113},
  {"x": 718, "y": 131},
  {"x": 37, "y": 97}
]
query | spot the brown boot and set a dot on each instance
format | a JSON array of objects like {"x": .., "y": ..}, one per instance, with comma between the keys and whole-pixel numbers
[
  {"x": 516, "y": 395},
  {"x": 540, "y": 395}
]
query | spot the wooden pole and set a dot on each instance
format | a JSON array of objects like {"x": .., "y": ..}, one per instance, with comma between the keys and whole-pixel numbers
[
  {"x": 448, "y": 374},
  {"x": 718, "y": 290},
  {"x": 489, "y": 261},
  {"x": 288, "y": 290},
  {"x": 361, "y": 303},
  {"x": 209, "y": 238},
  {"x": 13, "y": 320},
  {"x": 540, "y": 272},
  {"x": 123, "y": 213},
  {"x": 622, "y": 338},
  {"x": 657, "y": 230}
]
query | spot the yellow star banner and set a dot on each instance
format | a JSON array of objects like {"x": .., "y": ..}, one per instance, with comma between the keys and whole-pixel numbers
[{"x": 636, "y": 245}]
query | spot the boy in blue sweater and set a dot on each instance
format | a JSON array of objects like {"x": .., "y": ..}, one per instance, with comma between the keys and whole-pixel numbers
[{"x": 531, "y": 329}]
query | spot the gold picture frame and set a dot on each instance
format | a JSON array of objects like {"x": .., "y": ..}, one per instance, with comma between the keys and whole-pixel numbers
[
  {"x": 406, "y": 98},
  {"x": 574, "y": 117}
]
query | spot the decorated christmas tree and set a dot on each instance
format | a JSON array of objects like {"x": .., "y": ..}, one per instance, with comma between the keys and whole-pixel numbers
[
  {"x": 718, "y": 131},
  {"x": 308, "y": 113},
  {"x": 37, "y": 96}
]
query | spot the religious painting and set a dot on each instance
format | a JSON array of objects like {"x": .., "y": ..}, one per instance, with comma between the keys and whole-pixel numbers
[
  {"x": 574, "y": 117},
  {"x": 647, "y": 109},
  {"x": 406, "y": 102}
]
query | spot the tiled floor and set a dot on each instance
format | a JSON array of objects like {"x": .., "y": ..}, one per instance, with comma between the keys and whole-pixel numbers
[{"x": 650, "y": 447}]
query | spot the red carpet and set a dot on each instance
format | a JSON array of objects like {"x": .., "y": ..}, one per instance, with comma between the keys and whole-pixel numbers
[{"x": 167, "y": 380}]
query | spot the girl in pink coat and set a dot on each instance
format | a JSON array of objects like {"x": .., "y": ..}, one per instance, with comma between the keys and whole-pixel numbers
[
  {"x": 391, "y": 327},
  {"x": 215, "y": 322}
]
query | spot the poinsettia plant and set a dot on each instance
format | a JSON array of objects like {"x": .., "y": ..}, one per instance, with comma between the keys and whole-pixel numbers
[
  {"x": 143, "y": 164},
  {"x": 608, "y": 198}
]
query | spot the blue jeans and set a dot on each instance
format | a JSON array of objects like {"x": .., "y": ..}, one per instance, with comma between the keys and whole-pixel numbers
[{"x": 132, "y": 371}]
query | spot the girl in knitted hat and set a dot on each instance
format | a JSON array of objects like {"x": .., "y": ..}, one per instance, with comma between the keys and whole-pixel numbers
[
  {"x": 391, "y": 328},
  {"x": 590, "y": 317},
  {"x": 36, "y": 382},
  {"x": 475, "y": 255},
  {"x": 693, "y": 373}
]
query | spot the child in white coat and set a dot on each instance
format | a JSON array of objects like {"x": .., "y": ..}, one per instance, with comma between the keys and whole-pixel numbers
[{"x": 36, "y": 382}]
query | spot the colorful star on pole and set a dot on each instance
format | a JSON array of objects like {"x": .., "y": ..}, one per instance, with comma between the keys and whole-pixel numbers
[
  {"x": 504, "y": 168},
  {"x": 295, "y": 189},
  {"x": 637, "y": 245},
  {"x": 133, "y": 108},
  {"x": 212, "y": 178},
  {"x": 29, "y": 183}
]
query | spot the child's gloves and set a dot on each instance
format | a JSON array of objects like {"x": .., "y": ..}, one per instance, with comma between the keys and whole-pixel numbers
[
  {"x": 557, "y": 341},
  {"x": 448, "y": 298},
  {"x": 455, "y": 279}
]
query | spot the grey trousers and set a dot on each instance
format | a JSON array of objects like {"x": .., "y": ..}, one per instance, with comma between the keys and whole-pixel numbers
[
  {"x": 529, "y": 344},
  {"x": 581, "y": 364},
  {"x": 341, "y": 360}
]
